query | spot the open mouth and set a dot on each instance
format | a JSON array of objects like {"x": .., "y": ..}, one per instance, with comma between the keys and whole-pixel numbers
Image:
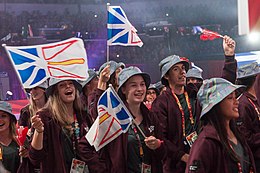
[
  {"x": 68, "y": 93},
  {"x": 2, "y": 124}
]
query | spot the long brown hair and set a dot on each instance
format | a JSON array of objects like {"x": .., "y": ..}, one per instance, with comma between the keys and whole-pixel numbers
[
  {"x": 58, "y": 108},
  {"x": 214, "y": 118}
]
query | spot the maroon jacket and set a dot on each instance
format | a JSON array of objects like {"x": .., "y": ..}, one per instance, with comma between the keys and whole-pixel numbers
[
  {"x": 169, "y": 114},
  {"x": 257, "y": 90},
  {"x": 51, "y": 157},
  {"x": 116, "y": 151},
  {"x": 249, "y": 123},
  {"x": 207, "y": 154},
  {"x": 92, "y": 101}
]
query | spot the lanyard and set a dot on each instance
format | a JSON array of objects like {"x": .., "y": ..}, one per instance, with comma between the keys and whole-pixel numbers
[
  {"x": 240, "y": 170},
  {"x": 256, "y": 109},
  {"x": 76, "y": 131},
  {"x": 141, "y": 151},
  {"x": 182, "y": 111}
]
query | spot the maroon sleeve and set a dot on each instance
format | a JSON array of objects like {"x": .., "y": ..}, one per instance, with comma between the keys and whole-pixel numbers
[
  {"x": 159, "y": 107},
  {"x": 248, "y": 125},
  {"x": 229, "y": 69},
  {"x": 199, "y": 159},
  {"x": 92, "y": 102},
  {"x": 88, "y": 154}
]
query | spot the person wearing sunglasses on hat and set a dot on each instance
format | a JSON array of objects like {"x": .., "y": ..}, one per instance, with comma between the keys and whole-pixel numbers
[
  {"x": 108, "y": 74},
  {"x": 131, "y": 152},
  {"x": 177, "y": 107},
  {"x": 59, "y": 128},
  {"x": 151, "y": 94},
  {"x": 249, "y": 109},
  {"x": 9, "y": 148},
  {"x": 88, "y": 88},
  {"x": 37, "y": 101},
  {"x": 220, "y": 147}
]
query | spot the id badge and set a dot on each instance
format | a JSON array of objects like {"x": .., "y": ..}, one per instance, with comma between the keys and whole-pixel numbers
[
  {"x": 191, "y": 138},
  {"x": 146, "y": 168},
  {"x": 77, "y": 166}
]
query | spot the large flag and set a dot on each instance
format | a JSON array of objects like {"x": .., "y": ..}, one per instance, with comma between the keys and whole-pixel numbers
[
  {"x": 248, "y": 57},
  {"x": 248, "y": 16},
  {"x": 113, "y": 119},
  {"x": 119, "y": 30},
  {"x": 34, "y": 64}
]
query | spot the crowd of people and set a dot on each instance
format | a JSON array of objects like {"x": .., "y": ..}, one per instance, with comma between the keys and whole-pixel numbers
[{"x": 183, "y": 123}]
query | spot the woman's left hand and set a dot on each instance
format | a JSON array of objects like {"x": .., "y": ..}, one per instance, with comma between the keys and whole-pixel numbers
[
  {"x": 152, "y": 143},
  {"x": 23, "y": 152}
]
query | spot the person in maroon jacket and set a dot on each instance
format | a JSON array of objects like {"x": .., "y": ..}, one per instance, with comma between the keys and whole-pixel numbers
[
  {"x": 108, "y": 74},
  {"x": 249, "y": 108},
  {"x": 220, "y": 148},
  {"x": 38, "y": 99},
  {"x": 177, "y": 107},
  {"x": 59, "y": 127},
  {"x": 132, "y": 152}
]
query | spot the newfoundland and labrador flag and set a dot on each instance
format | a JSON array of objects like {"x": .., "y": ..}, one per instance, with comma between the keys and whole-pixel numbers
[
  {"x": 113, "y": 119},
  {"x": 248, "y": 16},
  {"x": 119, "y": 30},
  {"x": 34, "y": 64}
]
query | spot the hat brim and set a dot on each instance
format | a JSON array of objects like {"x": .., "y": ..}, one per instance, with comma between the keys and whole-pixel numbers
[
  {"x": 10, "y": 113},
  {"x": 146, "y": 77},
  {"x": 49, "y": 90},
  {"x": 223, "y": 96}
]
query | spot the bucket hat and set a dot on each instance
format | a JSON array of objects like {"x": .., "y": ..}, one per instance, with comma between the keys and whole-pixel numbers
[
  {"x": 6, "y": 107},
  {"x": 91, "y": 75},
  {"x": 195, "y": 73},
  {"x": 153, "y": 86},
  {"x": 122, "y": 65},
  {"x": 168, "y": 62},
  {"x": 43, "y": 85},
  {"x": 213, "y": 91},
  {"x": 113, "y": 66},
  {"x": 54, "y": 81},
  {"x": 127, "y": 73},
  {"x": 248, "y": 70}
]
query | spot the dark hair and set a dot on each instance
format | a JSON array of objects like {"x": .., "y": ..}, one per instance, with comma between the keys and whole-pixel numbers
[
  {"x": 112, "y": 80},
  {"x": 214, "y": 118},
  {"x": 248, "y": 82}
]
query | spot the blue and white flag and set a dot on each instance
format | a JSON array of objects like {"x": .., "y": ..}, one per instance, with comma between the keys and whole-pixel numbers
[
  {"x": 119, "y": 30},
  {"x": 34, "y": 64},
  {"x": 113, "y": 119},
  {"x": 248, "y": 58}
]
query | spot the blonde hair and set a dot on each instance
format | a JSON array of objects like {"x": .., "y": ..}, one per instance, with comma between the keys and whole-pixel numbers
[
  {"x": 33, "y": 107},
  {"x": 58, "y": 108}
]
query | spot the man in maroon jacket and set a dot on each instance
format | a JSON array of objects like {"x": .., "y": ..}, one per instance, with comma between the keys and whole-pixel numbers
[{"x": 177, "y": 107}]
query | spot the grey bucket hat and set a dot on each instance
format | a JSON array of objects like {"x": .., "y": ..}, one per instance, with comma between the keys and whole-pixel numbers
[
  {"x": 113, "y": 66},
  {"x": 92, "y": 74},
  {"x": 248, "y": 70},
  {"x": 127, "y": 73},
  {"x": 6, "y": 107},
  {"x": 43, "y": 85},
  {"x": 213, "y": 91},
  {"x": 122, "y": 65},
  {"x": 54, "y": 81},
  {"x": 153, "y": 86},
  {"x": 170, "y": 61},
  {"x": 195, "y": 73}
]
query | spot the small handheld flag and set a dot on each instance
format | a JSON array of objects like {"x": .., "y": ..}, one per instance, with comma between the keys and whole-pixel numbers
[
  {"x": 113, "y": 119},
  {"x": 119, "y": 30},
  {"x": 34, "y": 64}
]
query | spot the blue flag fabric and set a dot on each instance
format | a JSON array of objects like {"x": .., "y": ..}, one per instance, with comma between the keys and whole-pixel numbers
[
  {"x": 119, "y": 30},
  {"x": 113, "y": 119}
]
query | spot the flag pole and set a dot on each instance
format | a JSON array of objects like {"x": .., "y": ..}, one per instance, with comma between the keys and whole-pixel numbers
[
  {"x": 127, "y": 111},
  {"x": 20, "y": 80},
  {"x": 108, "y": 4}
]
